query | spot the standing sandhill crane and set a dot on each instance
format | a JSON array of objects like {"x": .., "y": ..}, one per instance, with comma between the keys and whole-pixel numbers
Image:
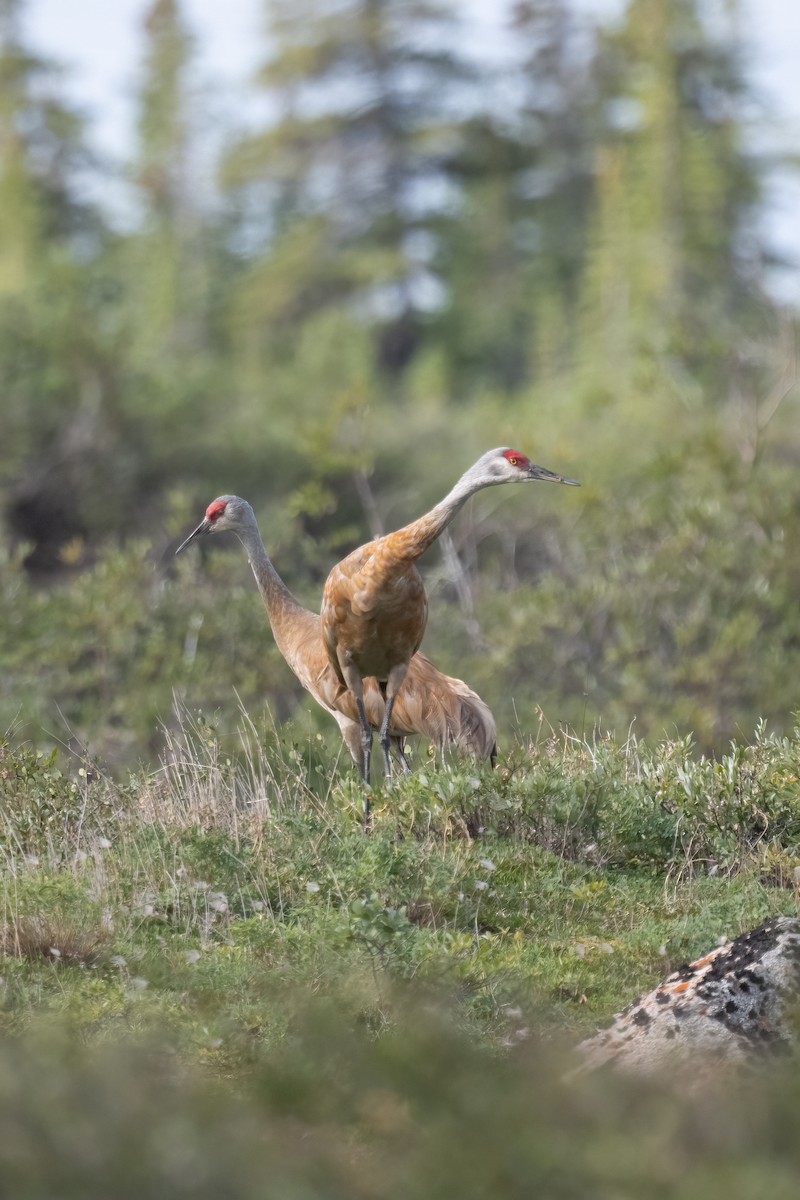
[
  {"x": 374, "y": 608},
  {"x": 440, "y": 708}
]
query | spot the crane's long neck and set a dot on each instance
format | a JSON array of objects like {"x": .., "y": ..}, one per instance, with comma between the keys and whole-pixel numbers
[
  {"x": 283, "y": 609},
  {"x": 413, "y": 540}
]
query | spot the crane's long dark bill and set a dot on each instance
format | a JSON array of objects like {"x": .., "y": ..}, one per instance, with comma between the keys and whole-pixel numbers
[
  {"x": 542, "y": 473},
  {"x": 202, "y": 528}
]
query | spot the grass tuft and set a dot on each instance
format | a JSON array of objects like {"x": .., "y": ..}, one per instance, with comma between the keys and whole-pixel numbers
[{"x": 59, "y": 937}]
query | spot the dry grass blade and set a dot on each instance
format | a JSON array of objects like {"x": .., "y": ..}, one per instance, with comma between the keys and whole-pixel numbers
[{"x": 204, "y": 784}]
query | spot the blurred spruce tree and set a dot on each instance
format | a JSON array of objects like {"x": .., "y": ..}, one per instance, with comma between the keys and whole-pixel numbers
[
  {"x": 170, "y": 267},
  {"x": 51, "y": 239},
  {"x": 165, "y": 279},
  {"x": 41, "y": 152},
  {"x": 674, "y": 280},
  {"x": 525, "y": 166},
  {"x": 340, "y": 192}
]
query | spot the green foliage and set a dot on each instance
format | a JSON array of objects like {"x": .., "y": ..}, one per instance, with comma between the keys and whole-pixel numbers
[
  {"x": 43, "y": 807},
  {"x": 669, "y": 611}
]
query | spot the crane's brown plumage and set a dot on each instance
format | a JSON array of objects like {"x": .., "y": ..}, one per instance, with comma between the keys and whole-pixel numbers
[
  {"x": 374, "y": 608},
  {"x": 437, "y": 706}
]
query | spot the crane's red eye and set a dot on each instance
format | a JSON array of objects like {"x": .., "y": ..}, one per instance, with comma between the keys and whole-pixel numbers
[
  {"x": 215, "y": 509},
  {"x": 515, "y": 459}
]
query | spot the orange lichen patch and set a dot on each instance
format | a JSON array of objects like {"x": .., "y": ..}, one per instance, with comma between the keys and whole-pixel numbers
[
  {"x": 682, "y": 987},
  {"x": 706, "y": 960}
]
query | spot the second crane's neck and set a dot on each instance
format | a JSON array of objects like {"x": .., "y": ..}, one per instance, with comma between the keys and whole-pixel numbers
[
  {"x": 279, "y": 601},
  {"x": 422, "y": 533}
]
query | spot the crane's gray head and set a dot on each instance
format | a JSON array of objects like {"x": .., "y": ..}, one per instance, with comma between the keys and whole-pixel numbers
[
  {"x": 226, "y": 512},
  {"x": 505, "y": 465}
]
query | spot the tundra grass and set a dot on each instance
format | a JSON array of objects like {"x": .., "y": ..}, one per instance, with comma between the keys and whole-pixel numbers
[
  {"x": 214, "y": 983},
  {"x": 539, "y": 898}
]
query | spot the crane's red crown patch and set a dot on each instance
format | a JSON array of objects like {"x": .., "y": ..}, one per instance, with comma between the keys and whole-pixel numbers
[
  {"x": 215, "y": 509},
  {"x": 516, "y": 458}
]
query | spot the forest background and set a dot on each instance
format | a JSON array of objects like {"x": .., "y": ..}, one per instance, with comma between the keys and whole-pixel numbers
[{"x": 418, "y": 256}]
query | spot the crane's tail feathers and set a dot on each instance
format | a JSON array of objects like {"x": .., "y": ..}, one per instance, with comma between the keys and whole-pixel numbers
[{"x": 477, "y": 732}]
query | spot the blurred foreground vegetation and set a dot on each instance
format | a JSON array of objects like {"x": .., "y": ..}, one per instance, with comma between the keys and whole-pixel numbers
[
  {"x": 214, "y": 984},
  {"x": 424, "y": 1112},
  {"x": 405, "y": 252}
]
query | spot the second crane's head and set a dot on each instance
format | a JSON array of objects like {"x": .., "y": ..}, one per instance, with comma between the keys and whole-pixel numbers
[
  {"x": 505, "y": 465},
  {"x": 226, "y": 512}
]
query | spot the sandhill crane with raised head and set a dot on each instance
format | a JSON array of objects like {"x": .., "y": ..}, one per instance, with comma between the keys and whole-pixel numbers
[
  {"x": 374, "y": 608},
  {"x": 434, "y": 705}
]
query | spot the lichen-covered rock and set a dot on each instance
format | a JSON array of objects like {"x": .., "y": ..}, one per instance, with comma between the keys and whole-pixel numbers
[{"x": 729, "y": 1006}]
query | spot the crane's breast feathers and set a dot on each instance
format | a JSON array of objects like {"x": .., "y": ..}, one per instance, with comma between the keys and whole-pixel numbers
[
  {"x": 373, "y": 624},
  {"x": 370, "y": 584}
]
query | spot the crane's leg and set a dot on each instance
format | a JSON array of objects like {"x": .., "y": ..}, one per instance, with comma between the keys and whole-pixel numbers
[
  {"x": 385, "y": 739},
  {"x": 393, "y": 685},
  {"x": 366, "y": 741},
  {"x": 399, "y": 749},
  {"x": 356, "y": 686},
  {"x": 366, "y": 753}
]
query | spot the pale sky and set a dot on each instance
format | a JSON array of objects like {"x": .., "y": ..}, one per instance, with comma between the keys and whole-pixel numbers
[{"x": 99, "y": 42}]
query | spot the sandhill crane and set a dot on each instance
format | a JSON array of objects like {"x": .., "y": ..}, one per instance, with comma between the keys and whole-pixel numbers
[
  {"x": 437, "y": 706},
  {"x": 374, "y": 608}
]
